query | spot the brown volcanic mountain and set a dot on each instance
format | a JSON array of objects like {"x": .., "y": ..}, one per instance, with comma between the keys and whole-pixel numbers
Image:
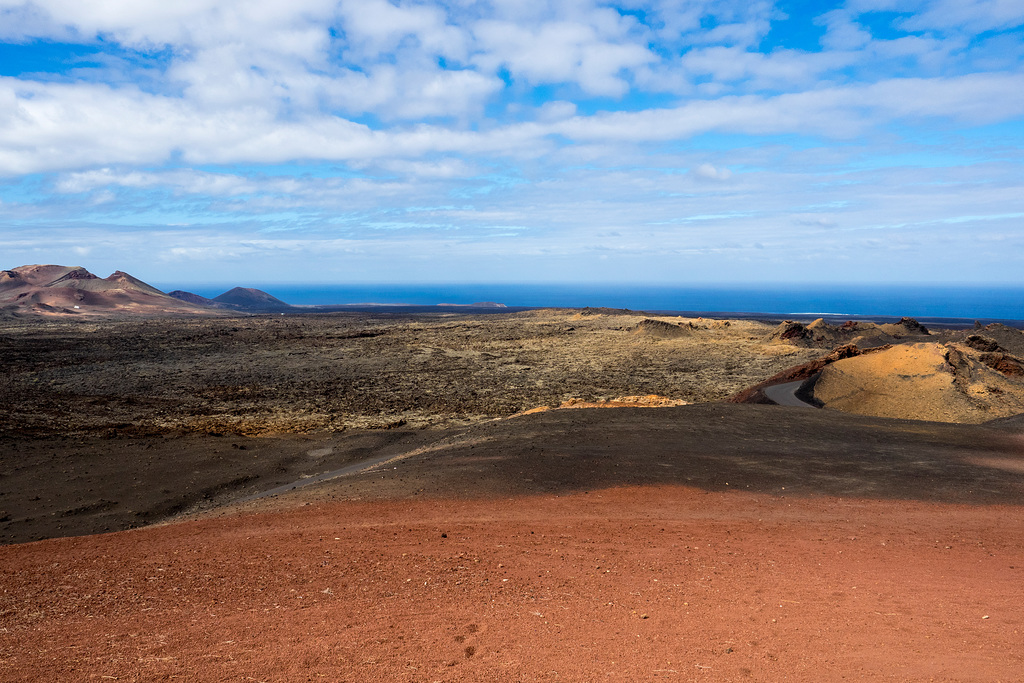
[{"x": 52, "y": 289}]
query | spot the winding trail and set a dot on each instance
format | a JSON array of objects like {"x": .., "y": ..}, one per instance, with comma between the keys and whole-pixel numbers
[
  {"x": 361, "y": 466},
  {"x": 785, "y": 395},
  {"x": 315, "y": 479}
]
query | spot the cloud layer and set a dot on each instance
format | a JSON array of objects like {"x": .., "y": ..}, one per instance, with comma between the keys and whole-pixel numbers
[{"x": 515, "y": 139}]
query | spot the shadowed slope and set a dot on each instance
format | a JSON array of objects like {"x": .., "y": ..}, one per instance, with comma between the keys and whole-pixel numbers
[
  {"x": 766, "y": 449},
  {"x": 117, "y": 483}
]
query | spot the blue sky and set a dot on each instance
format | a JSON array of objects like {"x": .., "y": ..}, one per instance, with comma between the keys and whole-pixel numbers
[{"x": 680, "y": 141}]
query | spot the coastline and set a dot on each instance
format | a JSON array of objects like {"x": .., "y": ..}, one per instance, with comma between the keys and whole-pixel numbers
[{"x": 943, "y": 305}]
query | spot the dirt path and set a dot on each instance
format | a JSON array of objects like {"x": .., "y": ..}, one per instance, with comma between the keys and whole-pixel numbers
[
  {"x": 631, "y": 584},
  {"x": 785, "y": 395}
]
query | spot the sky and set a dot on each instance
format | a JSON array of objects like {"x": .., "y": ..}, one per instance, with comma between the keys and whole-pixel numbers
[{"x": 504, "y": 141}]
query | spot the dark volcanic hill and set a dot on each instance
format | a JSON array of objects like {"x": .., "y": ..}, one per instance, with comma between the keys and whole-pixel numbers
[
  {"x": 53, "y": 289},
  {"x": 251, "y": 300},
  {"x": 191, "y": 298}
]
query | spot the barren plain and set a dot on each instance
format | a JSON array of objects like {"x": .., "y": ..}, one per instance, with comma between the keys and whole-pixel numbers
[
  {"x": 475, "y": 537},
  {"x": 278, "y": 374}
]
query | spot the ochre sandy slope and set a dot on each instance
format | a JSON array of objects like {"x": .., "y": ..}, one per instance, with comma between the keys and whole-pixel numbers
[{"x": 940, "y": 382}]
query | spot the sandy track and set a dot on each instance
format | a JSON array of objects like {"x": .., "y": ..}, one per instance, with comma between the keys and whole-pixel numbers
[{"x": 619, "y": 584}]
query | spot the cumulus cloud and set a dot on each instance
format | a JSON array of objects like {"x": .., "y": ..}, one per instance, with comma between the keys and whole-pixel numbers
[
  {"x": 49, "y": 126},
  {"x": 593, "y": 55},
  {"x": 378, "y": 27}
]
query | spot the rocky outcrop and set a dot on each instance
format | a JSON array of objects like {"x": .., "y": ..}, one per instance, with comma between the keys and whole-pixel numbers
[
  {"x": 793, "y": 333},
  {"x": 979, "y": 343},
  {"x": 1007, "y": 339},
  {"x": 904, "y": 328},
  {"x": 1004, "y": 363},
  {"x": 820, "y": 334}
]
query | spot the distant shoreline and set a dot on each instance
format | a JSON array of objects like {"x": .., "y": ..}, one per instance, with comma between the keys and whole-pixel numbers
[
  {"x": 832, "y": 318},
  {"x": 935, "y": 303}
]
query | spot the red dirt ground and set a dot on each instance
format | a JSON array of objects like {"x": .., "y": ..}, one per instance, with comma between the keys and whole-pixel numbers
[{"x": 640, "y": 583}]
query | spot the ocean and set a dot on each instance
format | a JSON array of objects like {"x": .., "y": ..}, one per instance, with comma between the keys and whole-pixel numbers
[{"x": 920, "y": 301}]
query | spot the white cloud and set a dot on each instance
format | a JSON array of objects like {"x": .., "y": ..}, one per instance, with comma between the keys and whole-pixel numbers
[
  {"x": 843, "y": 33},
  {"x": 557, "y": 52},
  {"x": 186, "y": 181},
  {"x": 155, "y": 23},
  {"x": 968, "y": 15},
  {"x": 378, "y": 27},
  {"x": 709, "y": 172},
  {"x": 838, "y": 111},
  {"x": 45, "y": 126},
  {"x": 57, "y": 126},
  {"x": 642, "y": 219},
  {"x": 445, "y": 168},
  {"x": 556, "y": 110},
  {"x": 780, "y": 69}
]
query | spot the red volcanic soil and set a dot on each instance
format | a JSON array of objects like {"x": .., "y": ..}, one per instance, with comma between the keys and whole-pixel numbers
[
  {"x": 631, "y": 583},
  {"x": 693, "y": 543}
]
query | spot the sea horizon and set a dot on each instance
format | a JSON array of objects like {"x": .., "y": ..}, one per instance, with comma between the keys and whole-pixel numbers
[{"x": 983, "y": 302}]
